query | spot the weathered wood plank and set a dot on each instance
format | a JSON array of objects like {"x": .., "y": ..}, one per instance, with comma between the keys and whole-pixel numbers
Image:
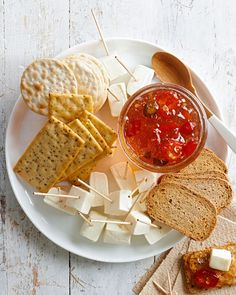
[{"x": 32, "y": 265}]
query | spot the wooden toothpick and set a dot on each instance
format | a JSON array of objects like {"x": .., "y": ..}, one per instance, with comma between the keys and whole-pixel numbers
[
  {"x": 117, "y": 99},
  {"x": 100, "y": 32},
  {"x": 85, "y": 218},
  {"x": 93, "y": 189},
  {"x": 110, "y": 221},
  {"x": 125, "y": 67},
  {"x": 160, "y": 288},
  {"x": 126, "y": 170},
  {"x": 55, "y": 195},
  {"x": 151, "y": 224}
]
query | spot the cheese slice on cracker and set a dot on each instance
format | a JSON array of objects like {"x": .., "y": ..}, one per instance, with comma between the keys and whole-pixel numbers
[{"x": 49, "y": 154}]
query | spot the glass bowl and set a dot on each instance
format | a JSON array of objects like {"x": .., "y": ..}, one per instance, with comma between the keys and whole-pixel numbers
[{"x": 135, "y": 109}]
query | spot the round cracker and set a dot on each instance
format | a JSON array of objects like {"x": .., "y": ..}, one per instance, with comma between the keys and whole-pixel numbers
[
  {"x": 99, "y": 71},
  {"x": 88, "y": 82},
  {"x": 42, "y": 77}
]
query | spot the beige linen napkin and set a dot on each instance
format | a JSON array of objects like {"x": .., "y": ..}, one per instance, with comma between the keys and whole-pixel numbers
[{"x": 172, "y": 260}]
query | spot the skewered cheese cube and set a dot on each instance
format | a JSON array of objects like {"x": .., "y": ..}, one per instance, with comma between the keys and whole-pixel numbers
[
  {"x": 220, "y": 259},
  {"x": 143, "y": 186},
  {"x": 143, "y": 77},
  {"x": 113, "y": 67},
  {"x": 116, "y": 234},
  {"x": 156, "y": 234},
  {"x": 123, "y": 175},
  {"x": 93, "y": 232},
  {"x": 84, "y": 201},
  {"x": 136, "y": 227},
  {"x": 58, "y": 202},
  {"x": 121, "y": 203},
  {"x": 141, "y": 204},
  {"x": 98, "y": 181},
  {"x": 116, "y": 103}
]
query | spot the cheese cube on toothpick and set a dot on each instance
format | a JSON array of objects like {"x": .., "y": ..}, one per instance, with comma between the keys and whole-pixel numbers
[
  {"x": 139, "y": 223},
  {"x": 84, "y": 201},
  {"x": 143, "y": 77},
  {"x": 58, "y": 202},
  {"x": 123, "y": 175},
  {"x": 113, "y": 67},
  {"x": 220, "y": 259},
  {"x": 116, "y": 97},
  {"x": 98, "y": 181},
  {"x": 93, "y": 232},
  {"x": 116, "y": 234},
  {"x": 156, "y": 234},
  {"x": 144, "y": 186},
  {"x": 121, "y": 203},
  {"x": 140, "y": 206}
]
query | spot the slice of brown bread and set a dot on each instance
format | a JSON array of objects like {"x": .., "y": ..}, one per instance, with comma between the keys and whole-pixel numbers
[
  {"x": 182, "y": 209},
  {"x": 206, "y": 161},
  {"x": 213, "y": 173},
  {"x": 216, "y": 190}
]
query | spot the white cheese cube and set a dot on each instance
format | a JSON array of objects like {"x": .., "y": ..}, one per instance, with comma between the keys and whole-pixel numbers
[
  {"x": 99, "y": 182},
  {"x": 143, "y": 186},
  {"x": 220, "y": 259},
  {"x": 84, "y": 201},
  {"x": 123, "y": 175},
  {"x": 140, "y": 205},
  {"x": 116, "y": 234},
  {"x": 116, "y": 103},
  {"x": 93, "y": 232},
  {"x": 113, "y": 67},
  {"x": 121, "y": 203},
  {"x": 136, "y": 226},
  {"x": 58, "y": 202},
  {"x": 143, "y": 77},
  {"x": 156, "y": 234}
]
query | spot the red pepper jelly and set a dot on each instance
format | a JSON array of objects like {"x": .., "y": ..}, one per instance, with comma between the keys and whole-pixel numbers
[{"x": 162, "y": 126}]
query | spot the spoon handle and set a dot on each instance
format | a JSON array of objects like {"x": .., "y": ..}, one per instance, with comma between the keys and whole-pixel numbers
[{"x": 224, "y": 131}]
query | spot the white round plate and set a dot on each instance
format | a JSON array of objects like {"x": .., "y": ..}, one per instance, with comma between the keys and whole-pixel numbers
[{"x": 63, "y": 229}]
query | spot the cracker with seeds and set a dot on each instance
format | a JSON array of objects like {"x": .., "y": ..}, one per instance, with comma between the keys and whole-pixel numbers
[
  {"x": 89, "y": 151},
  {"x": 106, "y": 132},
  {"x": 67, "y": 107},
  {"x": 49, "y": 154},
  {"x": 42, "y": 77},
  {"x": 83, "y": 173}
]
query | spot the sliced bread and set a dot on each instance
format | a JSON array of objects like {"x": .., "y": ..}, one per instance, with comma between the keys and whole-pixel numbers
[
  {"x": 213, "y": 173},
  {"x": 206, "y": 161},
  {"x": 217, "y": 190},
  {"x": 182, "y": 209}
]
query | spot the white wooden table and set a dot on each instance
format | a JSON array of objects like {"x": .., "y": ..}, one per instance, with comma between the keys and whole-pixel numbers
[{"x": 201, "y": 32}]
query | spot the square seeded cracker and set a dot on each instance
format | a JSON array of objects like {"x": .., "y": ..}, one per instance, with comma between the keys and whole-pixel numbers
[
  {"x": 106, "y": 131},
  {"x": 89, "y": 151},
  {"x": 67, "y": 107},
  {"x": 48, "y": 155}
]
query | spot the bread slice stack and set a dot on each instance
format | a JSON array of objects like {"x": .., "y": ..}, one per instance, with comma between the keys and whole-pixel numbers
[{"x": 190, "y": 200}]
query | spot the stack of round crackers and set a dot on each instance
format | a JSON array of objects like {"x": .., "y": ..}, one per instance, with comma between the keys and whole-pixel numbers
[{"x": 76, "y": 74}]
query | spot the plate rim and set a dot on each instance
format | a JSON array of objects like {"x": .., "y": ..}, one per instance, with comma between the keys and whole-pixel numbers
[{"x": 8, "y": 165}]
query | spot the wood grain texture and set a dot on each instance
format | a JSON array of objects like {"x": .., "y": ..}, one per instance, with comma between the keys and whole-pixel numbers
[{"x": 201, "y": 32}]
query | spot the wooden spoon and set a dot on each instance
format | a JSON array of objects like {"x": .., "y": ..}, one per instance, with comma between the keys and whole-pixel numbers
[{"x": 170, "y": 69}]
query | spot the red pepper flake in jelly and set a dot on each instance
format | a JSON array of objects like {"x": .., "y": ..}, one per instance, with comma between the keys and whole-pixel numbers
[{"x": 162, "y": 127}]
